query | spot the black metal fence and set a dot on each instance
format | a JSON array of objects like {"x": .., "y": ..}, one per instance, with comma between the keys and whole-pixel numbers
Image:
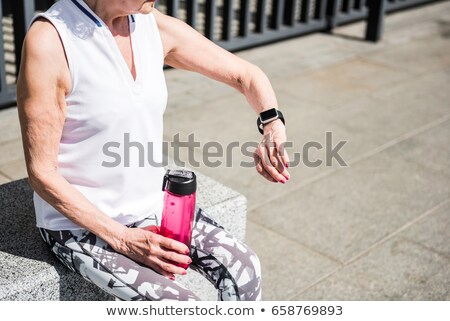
[{"x": 232, "y": 24}]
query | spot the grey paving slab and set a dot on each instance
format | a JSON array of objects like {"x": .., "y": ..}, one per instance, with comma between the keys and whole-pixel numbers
[
  {"x": 292, "y": 67},
  {"x": 293, "y": 57},
  {"x": 398, "y": 22},
  {"x": 425, "y": 93},
  {"x": 355, "y": 207},
  {"x": 352, "y": 30},
  {"x": 219, "y": 115},
  {"x": 186, "y": 89},
  {"x": 431, "y": 54},
  {"x": 9, "y": 125},
  {"x": 351, "y": 36},
  {"x": 355, "y": 43},
  {"x": 343, "y": 83},
  {"x": 429, "y": 150},
  {"x": 4, "y": 179},
  {"x": 15, "y": 169},
  {"x": 400, "y": 269},
  {"x": 398, "y": 28},
  {"x": 287, "y": 267},
  {"x": 423, "y": 29},
  {"x": 11, "y": 151},
  {"x": 309, "y": 46},
  {"x": 432, "y": 233}
]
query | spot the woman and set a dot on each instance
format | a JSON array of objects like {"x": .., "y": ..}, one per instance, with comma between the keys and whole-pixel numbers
[{"x": 92, "y": 72}]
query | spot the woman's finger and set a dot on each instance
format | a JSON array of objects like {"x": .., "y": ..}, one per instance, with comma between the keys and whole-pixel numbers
[
  {"x": 152, "y": 228},
  {"x": 172, "y": 256},
  {"x": 170, "y": 244},
  {"x": 169, "y": 267},
  {"x": 260, "y": 169},
  {"x": 267, "y": 165},
  {"x": 270, "y": 146},
  {"x": 275, "y": 159},
  {"x": 281, "y": 150},
  {"x": 281, "y": 167},
  {"x": 153, "y": 263}
]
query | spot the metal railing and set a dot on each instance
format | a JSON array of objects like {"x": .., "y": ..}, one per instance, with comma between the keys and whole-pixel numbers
[{"x": 232, "y": 24}]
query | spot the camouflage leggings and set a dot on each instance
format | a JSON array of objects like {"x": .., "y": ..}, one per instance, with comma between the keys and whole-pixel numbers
[{"x": 226, "y": 262}]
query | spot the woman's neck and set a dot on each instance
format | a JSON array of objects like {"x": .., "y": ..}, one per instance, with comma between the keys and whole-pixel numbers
[{"x": 111, "y": 15}]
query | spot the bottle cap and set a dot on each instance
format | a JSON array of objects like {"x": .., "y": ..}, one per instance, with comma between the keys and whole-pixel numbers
[{"x": 180, "y": 182}]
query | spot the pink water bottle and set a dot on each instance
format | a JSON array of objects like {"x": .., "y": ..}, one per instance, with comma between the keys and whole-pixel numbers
[{"x": 179, "y": 206}]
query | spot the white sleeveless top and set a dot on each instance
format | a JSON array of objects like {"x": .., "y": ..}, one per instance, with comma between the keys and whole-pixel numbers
[{"x": 114, "y": 124}]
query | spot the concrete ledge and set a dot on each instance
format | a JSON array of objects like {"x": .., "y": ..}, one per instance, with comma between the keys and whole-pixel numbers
[{"x": 29, "y": 271}]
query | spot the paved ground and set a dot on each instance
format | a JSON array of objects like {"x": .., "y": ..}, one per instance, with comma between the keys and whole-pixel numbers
[{"x": 377, "y": 229}]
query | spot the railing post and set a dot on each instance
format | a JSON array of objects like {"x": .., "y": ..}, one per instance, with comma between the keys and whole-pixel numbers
[
  {"x": 331, "y": 14},
  {"x": 172, "y": 8},
  {"x": 277, "y": 14},
  {"x": 289, "y": 12},
  {"x": 210, "y": 19},
  {"x": 2, "y": 60},
  {"x": 23, "y": 12},
  {"x": 244, "y": 18},
  {"x": 320, "y": 10},
  {"x": 228, "y": 17},
  {"x": 375, "y": 19},
  {"x": 304, "y": 17},
  {"x": 44, "y": 4},
  {"x": 261, "y": 17},
  {"x": 192, "y": 11}
]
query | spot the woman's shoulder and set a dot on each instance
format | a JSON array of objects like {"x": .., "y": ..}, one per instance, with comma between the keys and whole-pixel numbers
[
  {"x": 42, "y": 37},
  {"x": 43, "y": 53}
]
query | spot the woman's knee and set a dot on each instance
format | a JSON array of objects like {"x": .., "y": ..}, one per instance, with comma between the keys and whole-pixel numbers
[
  {"x": 255, "y": 262},
  {"x": 248, "y": 275}
]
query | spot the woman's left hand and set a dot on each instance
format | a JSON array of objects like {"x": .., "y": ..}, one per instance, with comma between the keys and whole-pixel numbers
[{"x": 270, "y": 157}]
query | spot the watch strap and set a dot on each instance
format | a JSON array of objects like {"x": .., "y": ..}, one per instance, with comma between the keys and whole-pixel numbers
[{"x": 260, "y": 123}]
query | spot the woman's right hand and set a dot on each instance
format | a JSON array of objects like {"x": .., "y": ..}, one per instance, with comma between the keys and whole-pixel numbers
[{"x": 154, "y": 250}]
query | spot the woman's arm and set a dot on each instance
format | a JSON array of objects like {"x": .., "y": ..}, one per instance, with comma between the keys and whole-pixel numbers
[
  {"x": 185, "y": 48},
  {"x": 43, "y": 82}
]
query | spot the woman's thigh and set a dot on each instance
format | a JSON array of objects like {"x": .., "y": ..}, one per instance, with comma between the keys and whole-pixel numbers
[{"x": 118, "y": 275}]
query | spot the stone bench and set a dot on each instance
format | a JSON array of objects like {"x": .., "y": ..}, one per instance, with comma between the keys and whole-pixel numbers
[{"x": 29, "y": 271}]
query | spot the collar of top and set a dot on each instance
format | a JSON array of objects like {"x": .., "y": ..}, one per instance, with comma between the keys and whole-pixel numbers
[{"x": 84, "y": 8}]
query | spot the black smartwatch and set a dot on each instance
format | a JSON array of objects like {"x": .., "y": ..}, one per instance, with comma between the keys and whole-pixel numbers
[{"x": 268, "y": 116}]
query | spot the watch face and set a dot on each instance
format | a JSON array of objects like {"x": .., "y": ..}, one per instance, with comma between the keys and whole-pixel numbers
[{"x": 268, "y": 114}]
